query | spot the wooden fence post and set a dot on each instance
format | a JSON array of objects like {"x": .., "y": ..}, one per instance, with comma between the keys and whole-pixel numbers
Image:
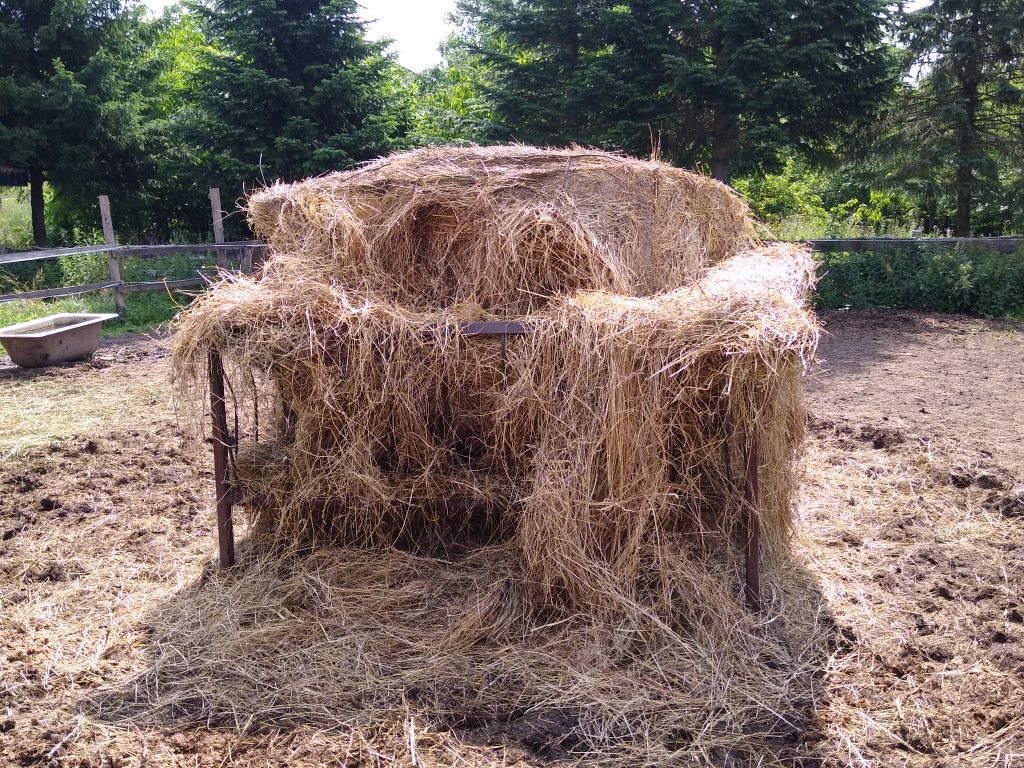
[
  {"x": 113, "y": 257},
  {"x": 245, "y": 264},
  {"x": 218, "y": 226}
]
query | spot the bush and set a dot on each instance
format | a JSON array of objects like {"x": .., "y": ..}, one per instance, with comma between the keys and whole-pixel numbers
[
  {"x": 799, "y": 203},
  {"x": 15, "y": 220},
  {"x": 926, "y": 278}
]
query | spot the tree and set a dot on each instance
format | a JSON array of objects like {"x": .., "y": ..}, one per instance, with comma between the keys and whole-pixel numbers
[
  {"x": 553, "y": 73},
  {"x": 730, "y": 82},
  {"x": 449, "y": 106},
  {"x": 967, "y": 113},
  {"x": 767, "y": 74},
  {"x": 288, "y": 88},
  {"x": 68, "y": 75}
]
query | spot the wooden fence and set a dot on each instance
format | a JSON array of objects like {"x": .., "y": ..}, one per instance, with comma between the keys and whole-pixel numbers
[
  {"x": 1000, "y": 244},
  {"x": 249, "y": 254}
]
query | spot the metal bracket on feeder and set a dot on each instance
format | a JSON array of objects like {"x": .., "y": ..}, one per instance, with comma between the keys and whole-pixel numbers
[
  {"x": 752, "y": 532},
  {"x": 221, "y": 445}
]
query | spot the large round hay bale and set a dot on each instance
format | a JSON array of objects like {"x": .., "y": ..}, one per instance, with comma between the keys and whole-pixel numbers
[
  {"x": 502, "y": 227},
  {"x": 609, "y": 437}
]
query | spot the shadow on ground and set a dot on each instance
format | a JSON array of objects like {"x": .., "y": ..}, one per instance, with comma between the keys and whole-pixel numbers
[{"x": 378, "y": 643}]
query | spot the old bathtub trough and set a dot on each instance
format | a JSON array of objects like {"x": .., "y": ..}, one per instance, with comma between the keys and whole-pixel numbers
[{"x": 53, "y": 339}]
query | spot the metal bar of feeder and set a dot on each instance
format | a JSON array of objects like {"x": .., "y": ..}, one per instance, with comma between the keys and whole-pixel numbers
[
  {"x": 752, "y": 586},
  {"x": 225, "y": 526},
  {"x": 493, "y": 328}
]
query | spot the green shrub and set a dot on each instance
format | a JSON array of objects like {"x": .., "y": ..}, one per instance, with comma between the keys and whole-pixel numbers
[
  {"x": 15, "y": 220},
  {"x": 801, "y": 203},
  {"x": 926, "y": 278}
]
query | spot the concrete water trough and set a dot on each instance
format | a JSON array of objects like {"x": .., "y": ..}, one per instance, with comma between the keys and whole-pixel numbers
[{"x": 53, "y": 339}]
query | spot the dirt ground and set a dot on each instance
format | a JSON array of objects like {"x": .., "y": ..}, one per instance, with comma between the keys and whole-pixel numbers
[{"x": 910, "y": 518}]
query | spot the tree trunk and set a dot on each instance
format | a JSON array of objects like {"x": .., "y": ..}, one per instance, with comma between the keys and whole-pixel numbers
[
  {"x": 35, "y": 177},
  {"x": 964, "y": 194},
  {"x": 967, "y": 145},
  {"x": 931, "y": 212},
  {"x": 724, "y": 128},
  {"x": 571, "y": 47},
  {"x": 723, "y": 144}
]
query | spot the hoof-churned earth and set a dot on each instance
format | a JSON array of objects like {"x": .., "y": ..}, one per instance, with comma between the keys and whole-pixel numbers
[{"x": 910, "y": 520}]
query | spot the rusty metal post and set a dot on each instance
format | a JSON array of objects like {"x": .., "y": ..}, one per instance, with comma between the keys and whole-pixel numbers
[
  {"x": 225, "y": 527},
  {"x": 752, "y": 587}
]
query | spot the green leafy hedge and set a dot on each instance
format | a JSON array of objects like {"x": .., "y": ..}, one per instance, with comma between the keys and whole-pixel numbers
[{"x": 927, "y": 278}]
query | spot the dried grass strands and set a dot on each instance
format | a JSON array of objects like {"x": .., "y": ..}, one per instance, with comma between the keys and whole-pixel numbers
[
  {"x": 568, "y": 505},
  {"x": 504, "y": 227},
  {"x": 614, "y": 425}
]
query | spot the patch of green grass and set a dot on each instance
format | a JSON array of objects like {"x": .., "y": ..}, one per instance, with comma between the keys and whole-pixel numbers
[
  {"x": 926, "y": 278},
  {"x": 806, "y": 227},
  {"x": 15, "y": 220},
  {"x": 143, "y": 312}
]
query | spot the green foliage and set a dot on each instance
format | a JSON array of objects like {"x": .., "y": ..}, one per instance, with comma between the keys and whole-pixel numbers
[
  {"x": 791, "y": 192},
  {"x": 30, "y": 276},
  {"x": 72, "y": 220},
  {"x": 802, "y": 204},
  {"x": 726, "y": 84},
  {"x": 286, "y": 89},
  {"x": 926, "y": 278},
  {"x": 143, "y": 311},
  {"x": 85, "y": 269},
  {"x": 74, "y": 94},
  {"x": 15, "y": 220},
  {"x": 12, "y": 312},
  {"x": 956, "y": 135},
  {"x": 448, "y": 105},
  {"x": 782, "y": 95}
]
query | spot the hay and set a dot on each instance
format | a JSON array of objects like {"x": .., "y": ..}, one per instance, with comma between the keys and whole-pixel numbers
[
  {"x": 503, "y": 227},
  {"x": 587, "y": 473}
]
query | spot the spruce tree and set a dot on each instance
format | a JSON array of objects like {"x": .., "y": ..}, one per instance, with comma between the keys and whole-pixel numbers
[
  {"x": 554, "y": 75},
  {"x": 71, "y": 103},
  {"x": 288, "y": 88},
  {"x": 967, "y": 114},
  {"x": 726, "y": 83}
]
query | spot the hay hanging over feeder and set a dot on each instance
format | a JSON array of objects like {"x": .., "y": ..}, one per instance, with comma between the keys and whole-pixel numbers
[{"x": 595, "y": 460}]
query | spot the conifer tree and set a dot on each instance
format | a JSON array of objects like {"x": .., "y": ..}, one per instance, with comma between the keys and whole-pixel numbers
[
  {"x": 968, "y": 112},
  {"x": 727, "y": 83},
  {"x": 71, "y": 101},
  {"x": 289, "y": 88}
]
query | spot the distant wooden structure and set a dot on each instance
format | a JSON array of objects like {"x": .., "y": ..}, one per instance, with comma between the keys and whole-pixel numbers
[{"x": 13, "y": 175}]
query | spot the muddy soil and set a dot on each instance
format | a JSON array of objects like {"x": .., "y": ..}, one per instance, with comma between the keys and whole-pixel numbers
[{"x": 910, "y": 517}]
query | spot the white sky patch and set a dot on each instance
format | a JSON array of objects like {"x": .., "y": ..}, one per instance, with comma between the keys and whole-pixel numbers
[{"x": 416, "y": 27}]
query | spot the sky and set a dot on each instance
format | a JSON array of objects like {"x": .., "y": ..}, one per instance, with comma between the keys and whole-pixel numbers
[{"x": 417, "y": 27}]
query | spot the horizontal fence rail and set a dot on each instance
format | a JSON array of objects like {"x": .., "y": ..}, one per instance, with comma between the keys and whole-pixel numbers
[
  {"x": 1000, "y": 244},
  {"x": 250, "y": 253},
  {"x": 138, "y": 251},
  {"x": 51, "y": 253},
  {"x": 249, "y": 249}
]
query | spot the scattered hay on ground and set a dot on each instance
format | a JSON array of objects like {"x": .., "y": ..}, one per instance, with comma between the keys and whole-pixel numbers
[{"x": 109, "y": 536}]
